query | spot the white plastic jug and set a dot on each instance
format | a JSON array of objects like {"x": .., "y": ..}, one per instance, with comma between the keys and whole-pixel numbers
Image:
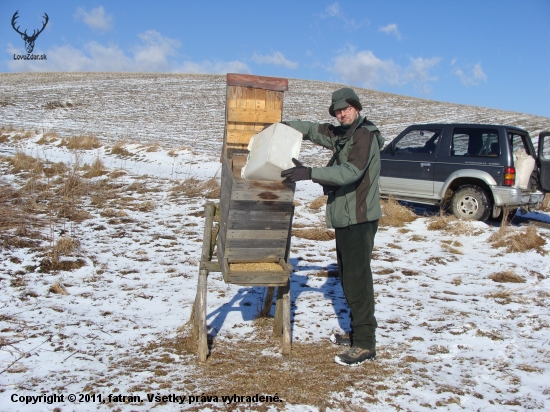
[
  {"x": 525, "y": 165},
  {"x": 271, "y": 152}
]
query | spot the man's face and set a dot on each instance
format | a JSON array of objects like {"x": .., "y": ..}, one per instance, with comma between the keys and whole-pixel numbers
[{"x": 347, "y": 115}]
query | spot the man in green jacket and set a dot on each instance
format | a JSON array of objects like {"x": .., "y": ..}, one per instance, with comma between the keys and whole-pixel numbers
[{"x": 353, "y": 208}]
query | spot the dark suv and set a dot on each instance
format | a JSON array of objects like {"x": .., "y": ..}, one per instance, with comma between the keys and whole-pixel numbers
[{"x": 472, "y": 168}]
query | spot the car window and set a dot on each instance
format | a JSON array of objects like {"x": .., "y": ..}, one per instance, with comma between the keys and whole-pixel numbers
[
  {"x": 546, "y": 148},
  {"x": 475, "y": 142},
  {"x": 419, "y": 141},
  {"x": 517, "y": 142}
]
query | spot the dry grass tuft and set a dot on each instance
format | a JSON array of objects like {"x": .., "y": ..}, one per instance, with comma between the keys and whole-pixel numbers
[
  {"x": 72, "y": 185},
  {"x": 318, "y": 203},
  {"x": 153, "y": 148},
  {"x": 48, "y": 138},
  {"x": 504, "y": 296},
  {"x": 120, "y": 149},
  {"x": 546, "y": 204},
  {"x": 53, "y": 265},
  {"x": 395, "y": 214},
  {"x": 147, "y": 206},
  {"x": 324, "y": 273},
  {"x": 519, "y": 241},
  {"x": 58, "y": 289},
  {"x": 507, "y": 276},
  {"x": 96, "y": 169},
  {"x": 191, "y": 187},
  {"x": 314, "y": 234},
  {"x": 115, "y": 174},
  {"x": 82, "y": 143},
  {"x": 22, "y": 162},
  {"x": 66, "y": 246},
  {"x": 442, "y": 222},
  {"x": 55, "y": 169}
]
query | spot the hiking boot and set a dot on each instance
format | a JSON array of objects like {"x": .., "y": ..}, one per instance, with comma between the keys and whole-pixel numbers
[
  {"x": 354, "y": 356},
  {"x": 343, "y": 340}
]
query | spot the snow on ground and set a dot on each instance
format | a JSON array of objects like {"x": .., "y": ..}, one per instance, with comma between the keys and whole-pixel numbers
[{"x": 456, "y": 339}]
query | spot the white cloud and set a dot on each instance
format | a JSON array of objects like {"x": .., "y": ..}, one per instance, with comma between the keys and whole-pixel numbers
[
  {"x": 419, "y": 70},
  {"x": 392, "y": 30},
  {"x": 96, "y": 19},
  {"x": 365, "y": 69},
  {"x": 474, "y": 77},
  {"x": 154, "y": 53},
  {"x": 333, "y": 11},
  {"x": 276, "y": 59}
]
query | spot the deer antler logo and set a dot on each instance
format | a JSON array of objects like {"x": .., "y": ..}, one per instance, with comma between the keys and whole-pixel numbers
[{"x": 29, "y": 40}]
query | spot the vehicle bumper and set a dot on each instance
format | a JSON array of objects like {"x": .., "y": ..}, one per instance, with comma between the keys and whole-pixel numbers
[{"x": 511, "y": 196}]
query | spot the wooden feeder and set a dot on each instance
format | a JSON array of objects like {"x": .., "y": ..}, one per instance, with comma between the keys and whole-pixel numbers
[{"x": 252, "y": 239}]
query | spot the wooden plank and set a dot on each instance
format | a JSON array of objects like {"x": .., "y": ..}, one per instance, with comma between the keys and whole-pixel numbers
[
  {"x": 256, "y": 225},
  {"x": 263, "y": 186},
  {"x": 253, "y": 116},
  {"x": 236, "y": 255},
  {"x": 225, "y": 196},
  {"x": 254, "y": 195},
  {"x": 260, "y": 99},
  {"x": 210, "y": 266},
  {"x": 254, "y": 234},
  {"x": 261, "y": 206},
  {"x": 255, "y": 280},
  {"x": 274, "y": 101},
  {"x": 262, "y": 82},
  {"x": 209, "y": 209},
  {"x": 240, "y": 136},
  {"x": 256, "y": 243},
  {"x": 258, "y": 215}
]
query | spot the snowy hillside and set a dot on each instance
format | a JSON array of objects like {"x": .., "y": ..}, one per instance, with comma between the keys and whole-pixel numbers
[{"x": 103, "y": 178}]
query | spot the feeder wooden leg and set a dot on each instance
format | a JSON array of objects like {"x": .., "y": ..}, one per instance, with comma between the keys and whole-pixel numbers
[
  {"x": 193, "y": 317},
  {"x": 286, "y": 321},
  {"x": 198, "y": 312},
  {"x": 200, "y": 316},
  {"x": 268, "y": 302},
  {"x": 281, "y": 323},
  {"x": 278, "y": 321}
]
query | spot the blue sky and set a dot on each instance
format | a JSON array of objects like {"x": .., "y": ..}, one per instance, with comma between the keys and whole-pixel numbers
[{"x": 491, "y": 53}]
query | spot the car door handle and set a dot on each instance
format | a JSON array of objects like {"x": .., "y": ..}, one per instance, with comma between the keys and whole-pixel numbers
[{"x": 425, "y": 164}]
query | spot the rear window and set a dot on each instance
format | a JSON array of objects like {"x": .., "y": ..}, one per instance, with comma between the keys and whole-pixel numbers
[
  {"x": 475, "y": 142},
  {"x": 419, "y": 141},
  {"x": 518, "y": 143}
]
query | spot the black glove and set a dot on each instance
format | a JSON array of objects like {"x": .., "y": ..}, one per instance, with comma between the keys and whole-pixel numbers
[{"x": 294, "y": 174}]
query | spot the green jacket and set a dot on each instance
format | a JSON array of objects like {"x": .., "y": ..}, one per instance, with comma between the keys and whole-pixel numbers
[{"x": 355, "y": 171}]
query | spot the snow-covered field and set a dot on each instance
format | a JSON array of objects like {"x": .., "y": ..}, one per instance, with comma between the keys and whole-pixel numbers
[{"x": 450, "y": 337}]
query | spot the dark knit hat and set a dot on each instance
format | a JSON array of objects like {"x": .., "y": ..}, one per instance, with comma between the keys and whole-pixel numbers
[{"x": 343, "y": 98}]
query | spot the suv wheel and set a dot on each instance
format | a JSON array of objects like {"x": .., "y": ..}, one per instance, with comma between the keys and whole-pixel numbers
[{"x": 471, "y": 202}]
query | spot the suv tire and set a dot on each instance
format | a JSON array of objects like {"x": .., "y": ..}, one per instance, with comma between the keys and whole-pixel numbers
[{"x": 471, "y": 202}]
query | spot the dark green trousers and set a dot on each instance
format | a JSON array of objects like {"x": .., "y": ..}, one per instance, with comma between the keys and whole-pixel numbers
[{"x": 353, "y": 251}]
